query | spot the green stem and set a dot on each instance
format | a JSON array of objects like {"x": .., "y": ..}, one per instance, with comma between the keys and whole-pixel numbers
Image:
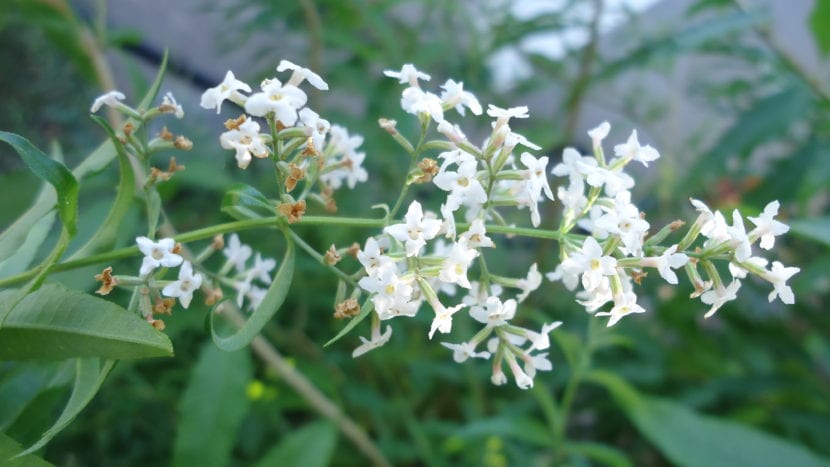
[
  {"x": 580, "y": 369},
  {"x": 320, "y": 259}
]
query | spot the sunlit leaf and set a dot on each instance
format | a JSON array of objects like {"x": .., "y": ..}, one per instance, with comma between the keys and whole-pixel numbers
[
  {"x": 57, "y": 323},
  {"x": 9, "y": 448},
  {"x": 212, "y": 408}
]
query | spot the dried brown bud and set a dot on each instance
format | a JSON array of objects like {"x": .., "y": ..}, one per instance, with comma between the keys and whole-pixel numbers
[
  {"x": 166, "y": 135},
  {"x": 177, "y": 248},
  {"x": 128, "y": 128},
  {"x": 388, "y": 125},
  {"x": 164, "y": 306},
  {"x": 676, "y": 225},
  {"x": 295, "y": 174},
  {"x": 213, "y": 295},
  {"x": 218, "y": 242},
  {"x": 158, "y": 324},
  {"x": 638, "y": 276},
  {"x": 293, "y": 211},
  {"x": 157, "y": 175},
  {"x": 310, "y": 150},
  {"x": 353, "y": 249},
  {"x": 346, "y": 309},
  {"x": 173, "y": 167},
  {"x": 234, "y": 123},
  {"x": 429, "y": 169},
  {"x": 332, "y": 257},
  {"x": 107, "y": 281},
  {"x": 183, "y": 143}
]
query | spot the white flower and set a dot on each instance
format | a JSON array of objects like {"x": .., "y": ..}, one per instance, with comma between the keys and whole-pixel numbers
[
  {"x": 282, "y": 101},
  {"x": 302, "y": 74},
  {"x": 591, "y": 263},
  {"x": 478, "y": 294},
  {"x": 373, "y": 259},
  {"x": 739, "y": 272},
  {"x": 262, "y": 269},
  {"x": 537, "y": 176},
  {"x": 538, "y": 362},
  {"x": 720, "y": 295},
  {"x": 416, "y": 230},
  {"x": 408, "y": 74},
  {"x": 569, "y": 280},
  {"x": 454, "y": 95},
  {"x": 625, "y": 303},
  {"x": 631, "y": 150},
  {"x": 448, "y": 225},
  {"x": 237, "y": 252},
  {"x": 110, "y": 99},
  {"x": 451, "y": 131},
  {"x": 503, "y": 116},
  {"x": 246, "y": 141},
  {"x": 494, "y": 313},
  {"x": 465, "y": 350},
  {"x": 376, "y": 341},
  {"x": 574, "y": 166},
  {"x": 530, "y": 283},
  {"x": 228, "y": 89},
  {"x": 454, "y": 267},
  {"x": 463, "y": 185},
  {"x": 739, "y": 238},
  {"x": 625, "y": 221},
  {"x": 599, "y": 133},
  {"x": 185, "y": 286},
  {"x": 416, "y": 101},
  {"x": 614, "y": 181},
  {"x": 541, "y": 340},
  {"x": 443, "y": 319},
  {"x": 768, "y": 228},
  {"x": 393, "y": 294},
  {"x": 476, "y": 235},
  {"x": 171, "y": 106},
  {"x": 522, "y": 379},
  {"x": 255, "y": 296},
  {"x": 348, "y": 168},
  {"x": 664, "y": 263},
  {"x": 318, "y": 127},
  {"x": 778, "y": 275},
  {"x": 157, "y": 254}
]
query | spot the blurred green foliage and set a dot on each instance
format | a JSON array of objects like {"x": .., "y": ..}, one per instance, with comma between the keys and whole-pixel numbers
[{"x": 755, "y": 378}]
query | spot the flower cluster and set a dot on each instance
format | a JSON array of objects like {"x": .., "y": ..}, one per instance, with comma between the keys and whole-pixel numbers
[
  {"x": 604, "y": 239},
  {"x": 164, "y": 253},
  {"x": 237, "y": 255},
  {"x": 292, "y": 134}
]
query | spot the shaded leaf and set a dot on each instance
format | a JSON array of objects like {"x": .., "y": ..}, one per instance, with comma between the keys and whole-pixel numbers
[
  {"x": 90, "y": 373},
  {"x": 267, "y": 308},
  {"x": 22, "y": 257},
  {"x": 817, "y": 229},
  {"x": 212, "y": 408},
  {"x": 310, "y": 446},
  {"x": 53, "y": 172},
  {"x": 687, "y": 438},
  {"x": 23, "y": 385},
  {"x": 57, "y": 323},
  {"x": 243, "y": 202}
]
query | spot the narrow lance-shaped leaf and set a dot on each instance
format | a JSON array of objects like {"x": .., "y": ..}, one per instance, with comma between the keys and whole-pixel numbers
[
  {"x": 365, "y": 310},
  {"x": 57, "y": 323},
  {"x": 295, "y": 449},
  {"x": 9, "y": 448},
  {"x": 243, "y": 202},
  {"x": 89, "y": 376},
  {"x": 272, "y": 301},
  {"x": 53, "y": 172},
  {"x": 105, "y": 237},
  {"x": 212, "y": 408},
  {"x": 716, "y": 442}
]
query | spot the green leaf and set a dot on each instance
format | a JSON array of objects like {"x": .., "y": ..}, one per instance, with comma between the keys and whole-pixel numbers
[
  {"x": 817, "y": 229},
  {"x": 212, "y": 408},
  {"x": 243, "y": 202},
  {"x": 53, "y": 172},
  {"x": 23, "y": 385},
  {"x": 270, "y": 304},
  {"x": 365, "y": 310},
  {"x": 153, "y": 91},
  {"x": 9, "y": 450},
  {"x": 90, "y": 373},
  {"x": 310, "y": 446},
  {"x": 105, "y": 237},
  {"x": 57, "y": 323},
  {"x": 690, "y": 439},
  {"x": 25, "y": 253},
  {"x": 820, "y": 24},
  {"x": 602, "y": 453},
  {"x": 765, "y": 120}
]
